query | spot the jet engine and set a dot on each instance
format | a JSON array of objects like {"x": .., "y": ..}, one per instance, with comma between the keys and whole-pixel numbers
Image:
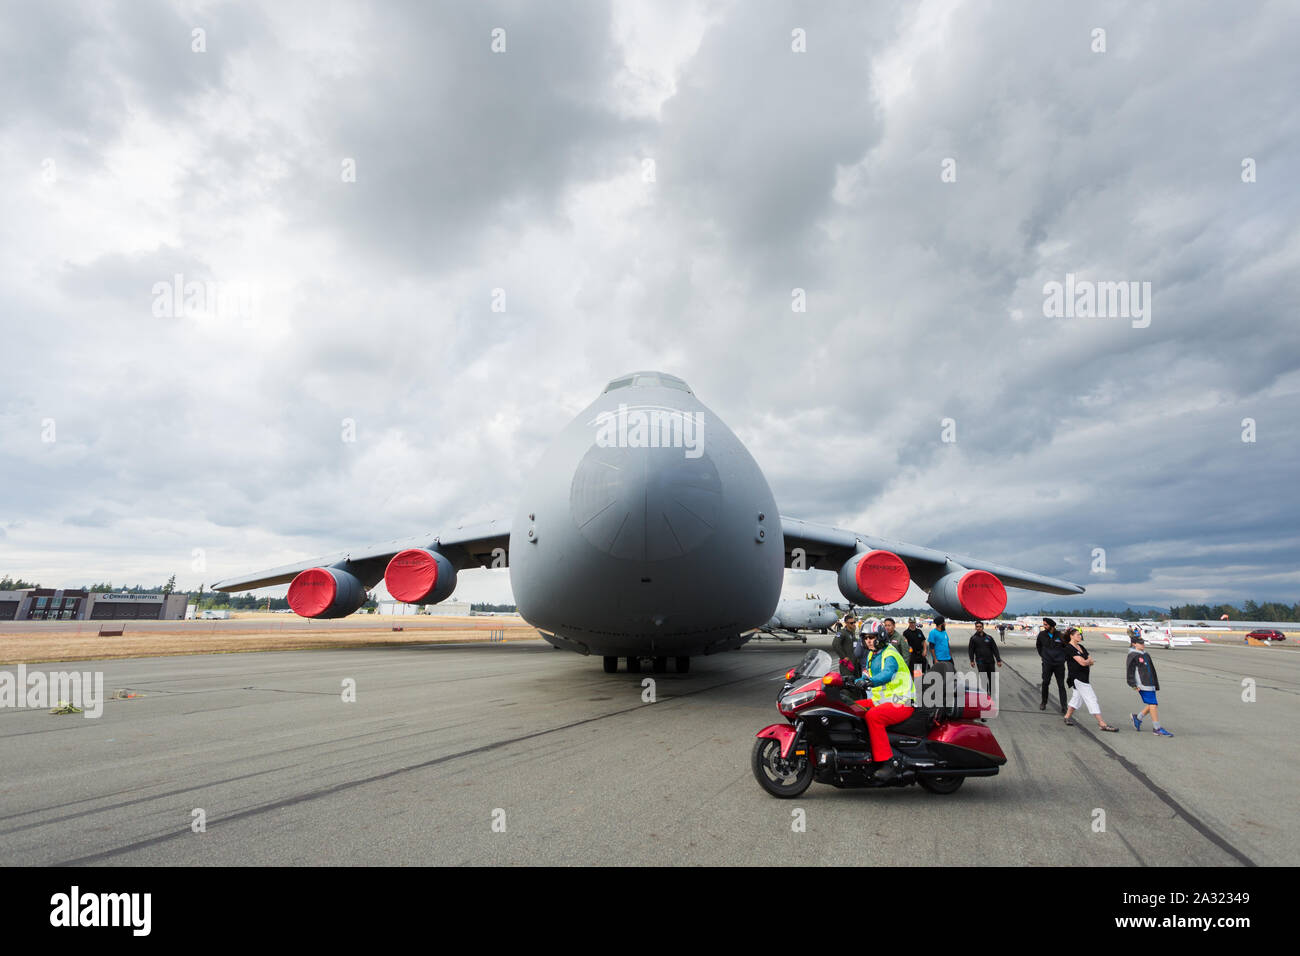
[
  {"x": 418, "y": 576},
  {"x": 326, "y": 592},
  {"x": 966, "y": 595},
  {"x": 874, "y": 577}
]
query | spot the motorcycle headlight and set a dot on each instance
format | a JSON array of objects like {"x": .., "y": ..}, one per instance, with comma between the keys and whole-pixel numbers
[{"x": 791, "y": 701}]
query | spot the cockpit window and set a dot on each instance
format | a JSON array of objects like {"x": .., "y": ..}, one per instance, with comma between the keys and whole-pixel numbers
[{"x": 648, "y": 380}]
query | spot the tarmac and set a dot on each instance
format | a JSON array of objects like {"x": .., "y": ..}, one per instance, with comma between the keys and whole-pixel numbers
[{"x": 515, "y": 753}]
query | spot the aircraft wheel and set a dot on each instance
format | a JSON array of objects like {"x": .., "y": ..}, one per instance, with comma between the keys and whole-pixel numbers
[
  {"x": 661, "y": 665},
  {"x": 683, "y": 665},
  {"x": 611, "y": 665},
  {"x": 634, "y": 665}
]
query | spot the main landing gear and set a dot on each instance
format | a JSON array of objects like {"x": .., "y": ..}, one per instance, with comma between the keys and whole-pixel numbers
[{"x": 658, "y": 664}]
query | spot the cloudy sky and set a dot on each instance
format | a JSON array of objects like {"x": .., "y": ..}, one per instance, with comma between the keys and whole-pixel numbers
[{"x": 441, "y": 228}]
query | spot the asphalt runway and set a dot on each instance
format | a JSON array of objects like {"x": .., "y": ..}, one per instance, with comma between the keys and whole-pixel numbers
[{"x": 443, "y": 741}]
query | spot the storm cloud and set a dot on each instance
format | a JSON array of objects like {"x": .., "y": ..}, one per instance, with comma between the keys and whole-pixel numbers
[{"x": 835, "y": 221}]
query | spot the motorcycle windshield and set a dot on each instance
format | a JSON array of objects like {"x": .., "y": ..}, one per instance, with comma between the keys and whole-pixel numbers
[{"x": 814, "y": 664}]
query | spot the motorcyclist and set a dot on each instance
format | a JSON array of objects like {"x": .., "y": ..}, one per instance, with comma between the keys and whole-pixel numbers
[{"x": 887, "y": 676}]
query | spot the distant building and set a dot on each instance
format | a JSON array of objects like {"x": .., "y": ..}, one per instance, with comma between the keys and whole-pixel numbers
[
  {"x": 445, "y": 609},
  {"x": 69, "y": 604}
]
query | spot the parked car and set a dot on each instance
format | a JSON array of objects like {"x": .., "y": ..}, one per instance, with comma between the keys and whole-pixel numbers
[{"x": 1266, "y": 634}]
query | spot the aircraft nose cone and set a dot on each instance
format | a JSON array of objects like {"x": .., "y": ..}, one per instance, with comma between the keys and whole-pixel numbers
[{"x": 645, "y": 504}]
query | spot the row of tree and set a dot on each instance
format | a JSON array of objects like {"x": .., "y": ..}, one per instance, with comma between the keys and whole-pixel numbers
[{"x": 1249, "y": 611}]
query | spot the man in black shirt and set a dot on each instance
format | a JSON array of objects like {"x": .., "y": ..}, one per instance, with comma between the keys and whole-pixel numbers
[
  {"x": 983, "y": 651},
  {"x": 1053, "y": 652},
  {"x": 915, "y": 638}
]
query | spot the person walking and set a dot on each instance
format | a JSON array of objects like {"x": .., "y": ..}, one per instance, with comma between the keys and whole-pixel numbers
[
  {"x": 983, "y": 651},
  {"x": 1052, "y": 651},
  {"x": 1002, "y": 631},
  {"x": 1080, "y": 664},
  {"x": 1141, "y": 672},
  {"x": 942, "y": 665}
]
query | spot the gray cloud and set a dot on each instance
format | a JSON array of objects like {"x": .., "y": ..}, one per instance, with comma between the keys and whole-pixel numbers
[{"x": 773, "y": 170}]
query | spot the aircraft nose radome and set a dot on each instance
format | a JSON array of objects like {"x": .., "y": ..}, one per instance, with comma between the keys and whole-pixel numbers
[{"x": 645, "y": 504}]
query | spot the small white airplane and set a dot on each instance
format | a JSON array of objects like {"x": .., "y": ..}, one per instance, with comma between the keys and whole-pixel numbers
[{"x": 1155, "y": 636}]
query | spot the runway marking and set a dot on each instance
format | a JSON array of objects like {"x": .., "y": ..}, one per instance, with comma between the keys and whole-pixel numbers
[
  {"x": 351, "y": 784},
  {"x": 1179, "y": 810}
]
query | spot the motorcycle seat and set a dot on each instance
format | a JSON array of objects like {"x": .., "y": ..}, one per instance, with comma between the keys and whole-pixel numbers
[{"x": 918, "y": 725}]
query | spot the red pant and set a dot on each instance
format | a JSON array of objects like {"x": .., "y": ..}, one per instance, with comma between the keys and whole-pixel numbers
[{"x": 878, "y": 718}]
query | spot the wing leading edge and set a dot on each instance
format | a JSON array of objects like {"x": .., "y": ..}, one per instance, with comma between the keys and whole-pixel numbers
[
  {"x": 468, "y": 546},
  {"x": 826, "y": 548}
]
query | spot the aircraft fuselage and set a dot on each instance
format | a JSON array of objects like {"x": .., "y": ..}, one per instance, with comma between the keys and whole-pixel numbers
[{"x": 647, "y": 529}]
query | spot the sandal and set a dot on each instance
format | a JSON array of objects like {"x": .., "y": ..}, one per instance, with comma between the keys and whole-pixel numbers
[
  {"x": 1109, "y": 729},
  {"x": 1069, "y": 722}
]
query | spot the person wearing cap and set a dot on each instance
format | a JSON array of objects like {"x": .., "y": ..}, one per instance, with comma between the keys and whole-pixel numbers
[
  {"x": 983, "y": 651},
  {"x": 1080, "y": 665},
  {"x": 842, "y": 643},
  {"x": 1002, "y": 631},
  {"x": 1054, "y": 652},
  {"x": 917, "y": 647},
  {"x": 1141, "y": 672}
]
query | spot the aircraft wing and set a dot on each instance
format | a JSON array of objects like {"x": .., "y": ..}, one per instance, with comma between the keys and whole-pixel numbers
[
  {"x": 467, "y": 546},
  {"x": 826, "y": 548}
]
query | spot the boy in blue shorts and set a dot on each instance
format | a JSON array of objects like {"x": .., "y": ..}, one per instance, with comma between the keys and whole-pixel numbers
[{"x": 1141, "y": 672}]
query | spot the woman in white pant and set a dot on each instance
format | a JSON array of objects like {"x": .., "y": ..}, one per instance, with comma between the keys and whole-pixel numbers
[{"x": 1080, "y": 664}]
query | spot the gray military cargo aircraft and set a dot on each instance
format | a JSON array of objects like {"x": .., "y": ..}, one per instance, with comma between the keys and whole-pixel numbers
[
  {"x": 647, "y": 530},
  {"x": 802, "y": 614}
]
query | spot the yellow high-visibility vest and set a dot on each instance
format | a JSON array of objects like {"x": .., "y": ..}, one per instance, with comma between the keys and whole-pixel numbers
[{"x": 900, "y": 690}]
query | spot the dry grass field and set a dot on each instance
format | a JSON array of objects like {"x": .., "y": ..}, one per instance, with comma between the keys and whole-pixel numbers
[{"x": 254, "y": 631}]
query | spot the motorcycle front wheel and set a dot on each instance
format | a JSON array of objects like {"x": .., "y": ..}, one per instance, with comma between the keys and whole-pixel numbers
[{"x": 780, "y": 778}]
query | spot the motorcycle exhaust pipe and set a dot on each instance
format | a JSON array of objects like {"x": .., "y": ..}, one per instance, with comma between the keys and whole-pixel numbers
[{"x": 843, "y": 759}]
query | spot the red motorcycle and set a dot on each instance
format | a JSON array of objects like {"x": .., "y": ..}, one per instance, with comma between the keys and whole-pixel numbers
[{"x": 825, "y": 738}]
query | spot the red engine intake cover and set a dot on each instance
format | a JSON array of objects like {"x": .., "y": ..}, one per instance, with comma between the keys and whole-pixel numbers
[
  {"x": 411, "y": 575},
  {"x": 312, "y": 592},
  {"x": 420, "y": 576},
  {"x": 981, "y": 594},
  {"x": 882, "y": 577}
]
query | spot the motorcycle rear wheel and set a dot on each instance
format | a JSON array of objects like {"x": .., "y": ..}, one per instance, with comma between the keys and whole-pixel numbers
[
  {"x": 940, "y": 784},
  {"x": 781, "y": 778}
]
